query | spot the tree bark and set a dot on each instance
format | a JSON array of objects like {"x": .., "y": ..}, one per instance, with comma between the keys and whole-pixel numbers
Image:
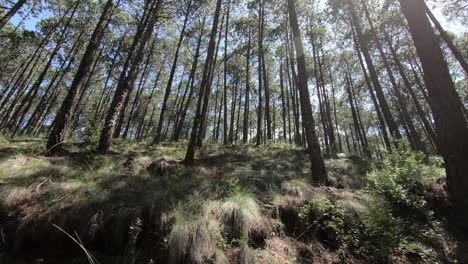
[
  {"x": 190, "y": 155},
  {"x": 17, "y": 6},
  {"x": 427, "y": 125},
  {"x": 191, "y": 82},
  {"x": 456, "y": 53},
  {"x": 245, "y": 127},
  {"x": 64, "y": 115},
  {"x": 450, "y": 117},
  {"x": 394, "y": 131},
  {"x": 125, "y": 83},
  {"x": 319, "y": 174},
  {"x": 157, "y": 137}
]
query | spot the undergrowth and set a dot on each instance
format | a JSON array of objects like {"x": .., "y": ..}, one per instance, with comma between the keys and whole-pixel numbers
[{"x": 235, "y": 205}]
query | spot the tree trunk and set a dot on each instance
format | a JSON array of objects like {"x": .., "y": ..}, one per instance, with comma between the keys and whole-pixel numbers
[
  {"x": 373, "y": 74},
  {"x": 319, "y": 173},
  {"x": 206, "y": 99},
  {"x": 413, "y": 133},
  {"x": 266, "y": 85},
  {"x": 245, "y": 127},
  {"x": 157, "y": 137},
  {"x": 292, "y": 79},
  {"x": 190, "y": 155},
  {"x": 53, "y": 84},
  {"x": 233, "y": 110},
  {"x": 260, "y": 80},
  {"x": 64, "y": 115},
  {"x": 18, "y": 116},
  {"x": 125, "y": 86},
  {"x": 178, "y": 128},
  {"x": 409, "y": 88},
  {"x": 450, "y": 119},
  {"x": 357, "y": 126},
  {"x": 11, "y": 13},
  {"x": 141, "y": 86},
  {"x": 283, "y": 105},
  {"x": 456, "y": 53}
]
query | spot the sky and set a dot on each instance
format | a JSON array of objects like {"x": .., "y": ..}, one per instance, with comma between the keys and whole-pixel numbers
[{"x": 453, "y": 26}]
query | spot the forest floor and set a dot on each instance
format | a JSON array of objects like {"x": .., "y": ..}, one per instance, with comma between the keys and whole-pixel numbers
[{"x": 237, "y": 204}]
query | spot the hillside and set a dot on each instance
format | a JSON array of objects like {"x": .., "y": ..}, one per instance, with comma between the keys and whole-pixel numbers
[{"x": 235, "y": 205}]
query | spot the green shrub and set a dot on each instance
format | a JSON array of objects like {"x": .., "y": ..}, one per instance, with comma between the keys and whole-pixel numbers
[
  {"x": 402, "y": 218},
  {"x": 381, "y": 231},
  {"x": 401, "y": 173},
  {"x": 5, "y": 139},
  {"x": 90, "y": 135}
]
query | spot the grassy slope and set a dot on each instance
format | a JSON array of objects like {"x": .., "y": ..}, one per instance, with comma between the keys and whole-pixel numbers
[{"x": 236, "y": 205}]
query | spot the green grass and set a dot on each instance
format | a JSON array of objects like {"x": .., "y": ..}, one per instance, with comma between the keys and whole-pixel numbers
[{"x": 230, "y": 205}]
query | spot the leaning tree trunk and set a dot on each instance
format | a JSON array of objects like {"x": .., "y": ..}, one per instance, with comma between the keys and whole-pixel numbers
[
  {"x": 158, "y": 136},
  {"x": 21, "y": 111},
  {"x": 64, "y": 116},
  {"x": 190, "y": 155},
  {"x": 456, "y": 53},
  {"x": 413, "y": 133},
  {"x": 319, "y": 174},
  {"x": 373, "y": 74},
  {"x": 125, "y": 87},
  {"x": 409, "y": 88},
  {"x": 11, "y": 13},
  {"x": 449, "y": 116},
  {"x": 180, "y": 123},
  {"x": 356, "y": 122},
  {"x": 207, "y": 92}
]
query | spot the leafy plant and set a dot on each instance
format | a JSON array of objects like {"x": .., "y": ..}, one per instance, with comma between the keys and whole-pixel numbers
[{"x": 400, "y": 174}]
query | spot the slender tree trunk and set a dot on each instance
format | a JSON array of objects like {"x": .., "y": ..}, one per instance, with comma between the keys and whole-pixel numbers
[
  {"x": 456, "y": 53},
  {"x": 177, "y": 130},
  {"x": 225, "y": 112},
  {"x": 125, "y": 86},
  {"x": 175, "y": 105},
  {"x": 357, "y": 126},
  {"x": 292, "y": 79},
  {"x": 217, "y": 112},
  {"x": 17, "y": 117},
  {"x": 17, "y": 6},
  {"x": 427, "y": 125},
  {"x": 103, "y": 98},
  {"x": 265, "y": 74},
  {"x": 331, "y": 130},
  {"x": 260, "y": 79},
  {"x": 56, "y": 80},
  {"x": 141, "y": 86},
  {"x": 233, "y": 110},
  {"x": 64, "y": 115},
  {"x": 401, "y": 102},
  {"x": 340, "y": 146},
  {"x": 206, "y": 99},
  {"x": 373, "y": 74},
  {"x": 283, "y": 105},
  {"x": 245, "y": 127},
  {"x": 320, "y": 100},
  {"x": 157, "y": 137},
  {"x": 204, "y": 89},
  {"x": 319, "y": 173}
]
